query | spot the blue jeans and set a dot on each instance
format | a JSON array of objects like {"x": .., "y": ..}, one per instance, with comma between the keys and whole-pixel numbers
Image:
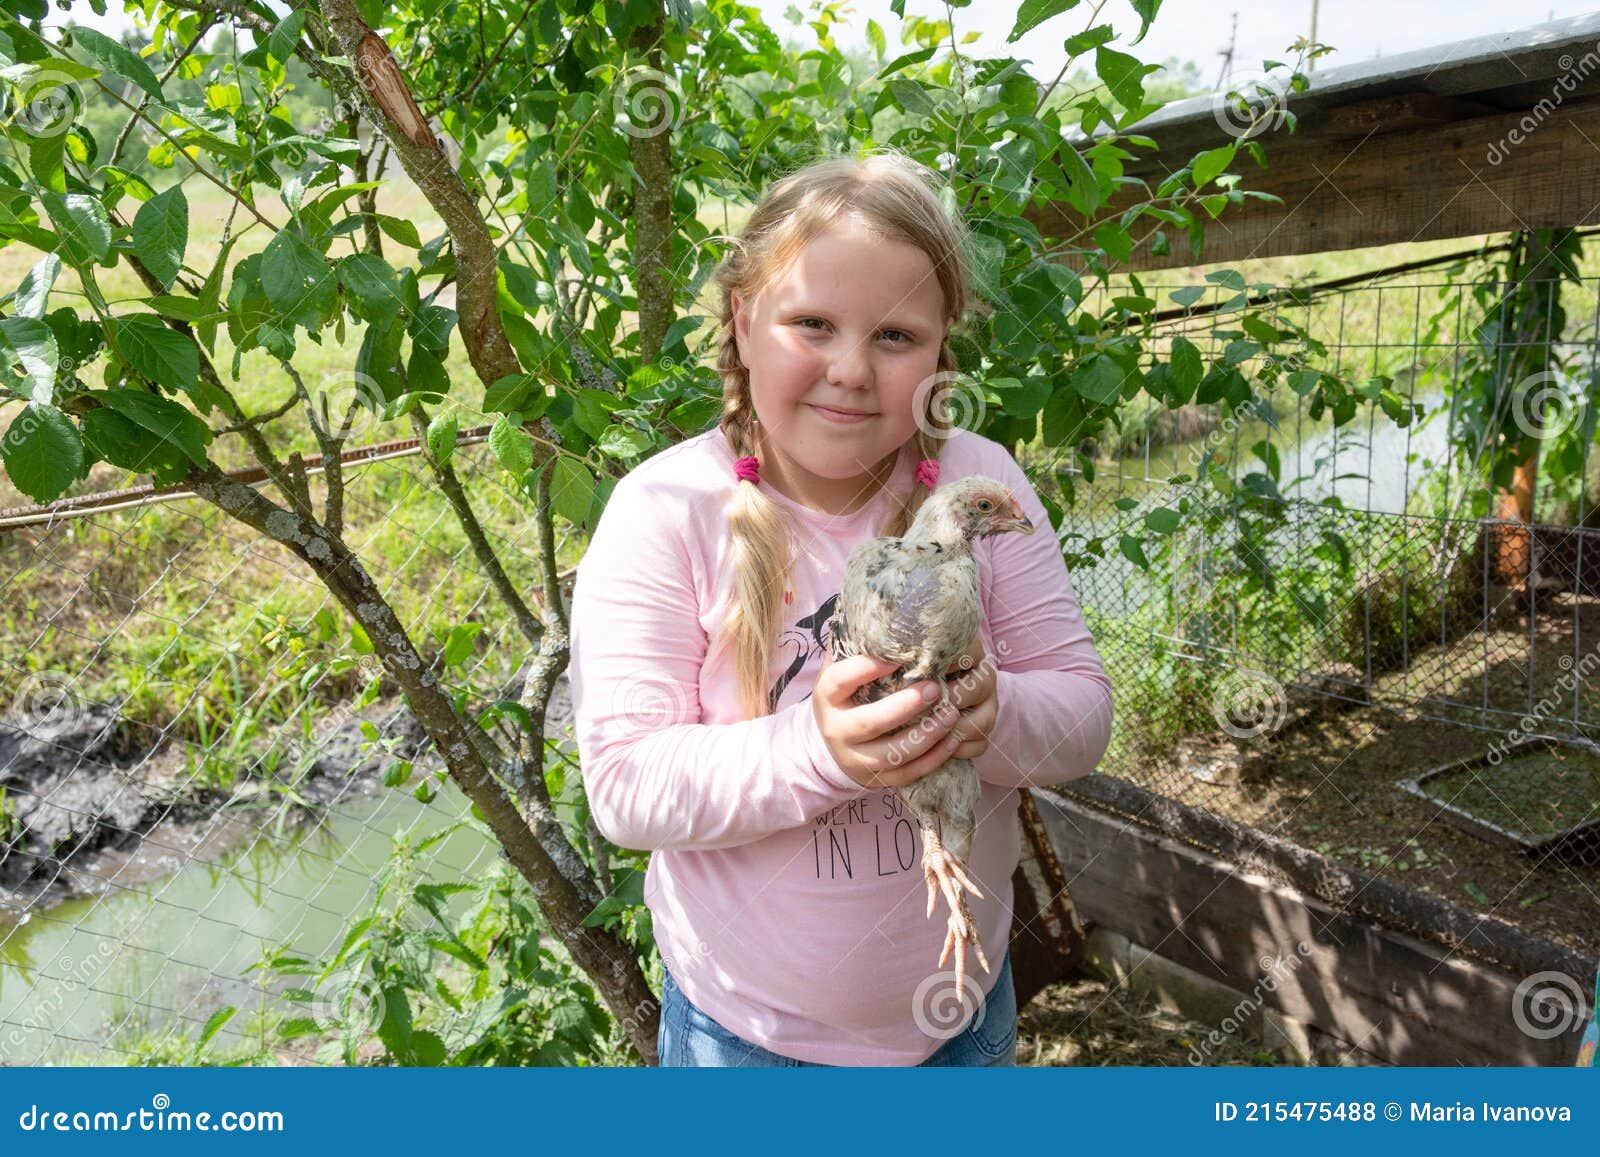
[{"x": 689, "y": 1038}]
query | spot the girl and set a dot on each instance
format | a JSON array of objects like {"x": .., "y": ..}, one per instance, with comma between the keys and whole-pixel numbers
[{"x": 786, "y": 889}]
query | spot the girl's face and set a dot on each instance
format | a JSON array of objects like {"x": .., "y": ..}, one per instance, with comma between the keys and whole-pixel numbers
[{"x": 853, "y": 325}]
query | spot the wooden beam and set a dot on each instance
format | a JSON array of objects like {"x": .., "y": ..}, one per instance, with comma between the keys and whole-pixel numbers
[
  {"x": 1390, "y": 994},
  {"x": 1397, "y": 169}
]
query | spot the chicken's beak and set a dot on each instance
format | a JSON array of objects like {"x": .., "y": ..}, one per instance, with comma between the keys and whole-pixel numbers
[
  {"x": 1018, "y": 520},
  {"x": 1021, "y": 522}
]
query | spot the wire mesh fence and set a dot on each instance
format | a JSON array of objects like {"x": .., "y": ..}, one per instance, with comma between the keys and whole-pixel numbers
[
  {"x": 200, "y": 764},
  {"x": 1369, "y": 575}
]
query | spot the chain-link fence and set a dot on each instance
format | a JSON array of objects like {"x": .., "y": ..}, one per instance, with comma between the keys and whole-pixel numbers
[
  {"x": 201, "y": 765},
  {"x": 1363, "y": 648}
]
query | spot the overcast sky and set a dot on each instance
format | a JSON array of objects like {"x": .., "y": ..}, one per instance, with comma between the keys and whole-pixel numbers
[{"x": 1196, "y": 30}]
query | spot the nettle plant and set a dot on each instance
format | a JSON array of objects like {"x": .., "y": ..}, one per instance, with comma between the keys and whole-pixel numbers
[{"x": 582, "y": 159}]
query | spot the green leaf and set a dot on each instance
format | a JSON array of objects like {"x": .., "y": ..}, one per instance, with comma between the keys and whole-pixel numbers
[
  {"x": 1163, "y": 520},
  {"x": 34, "y": 293},
  {"x": 509, "y": 393},
  {"x": 42, "y": 452},
  {"x": 371, "y": 285},
  {"x": 1228, "y": 278},
  {"x": 162, "y": 417},
  {"x": 44, "y": 161},
  {"x": 1098, "y": 379},
  {"x": 458, "y": 647},
  {"x": 31, "y": 344},
  {"x": 1133, "y": 551},
  {"x": 400, "y": 230},
  {"x": 511, "y": 446},
  {"x": 1208, "y": 164},
  {"x": 113, "y": 57},
  {"x": 572, "y": 490},
  {"x": 442, "y": 436},
  {"x": 83, "y": 224},
  {"x": 1032, "y": 13},
  {"x": 1147, "y": 10},
  {"x": 1188, "y": 294},
  {"x": 431, "y": 327},
  {"x": 1115, "y": 240},
  {"x": 909, "y": 95},
  {"x": 123, "y": 442},
  {"x": 623, "y": 442},
  {"x": 285, "y": 36},
  {"x": 1080, "y": 43},
  {"x": 161, "y": 234},
  {"x": 1122, "y": 74},
  {"x": 425, "y": 373},
  {"x": 157, "y": 352},
  {"x": 1187, "y": 369},
  {"x": 294, "y": 276}
]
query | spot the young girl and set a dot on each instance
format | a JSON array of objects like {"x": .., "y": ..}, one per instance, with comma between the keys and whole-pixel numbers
[{"x": 786, "y": 890}]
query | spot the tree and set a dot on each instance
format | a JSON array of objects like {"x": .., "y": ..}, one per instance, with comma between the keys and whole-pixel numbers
[{"x": 567, "y": 148}]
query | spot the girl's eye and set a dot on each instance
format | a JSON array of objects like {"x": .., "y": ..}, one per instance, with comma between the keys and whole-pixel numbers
[{"x": 900, "y": 336}]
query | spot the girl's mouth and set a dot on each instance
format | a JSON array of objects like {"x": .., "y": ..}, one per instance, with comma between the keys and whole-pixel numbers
[{"x": 843, "y": 417}]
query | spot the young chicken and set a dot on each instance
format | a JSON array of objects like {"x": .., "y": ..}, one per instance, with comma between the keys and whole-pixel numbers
[{"x": 914, "y": 601}]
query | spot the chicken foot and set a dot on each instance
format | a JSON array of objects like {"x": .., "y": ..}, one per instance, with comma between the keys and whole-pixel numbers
[{"x": 946, "y": 873}]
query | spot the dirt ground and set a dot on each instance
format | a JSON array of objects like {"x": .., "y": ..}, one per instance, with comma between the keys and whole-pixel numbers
[
  {"x": 1086, "y": 1021},
  {"x": 1329, "y": 777}
]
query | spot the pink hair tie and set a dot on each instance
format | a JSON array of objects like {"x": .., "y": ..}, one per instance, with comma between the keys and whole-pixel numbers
[
  {"x": 928, "y": 472},
  {"x": 746, "y": 469}
]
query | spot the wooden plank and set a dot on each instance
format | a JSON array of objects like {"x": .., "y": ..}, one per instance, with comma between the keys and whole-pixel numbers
[
  {"x": 1441, "y": 178},
  {"x": 1383, "y": 991}
]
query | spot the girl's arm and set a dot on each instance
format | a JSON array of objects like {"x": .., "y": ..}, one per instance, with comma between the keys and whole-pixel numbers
[
  {"x": 1054, "y": 700},
  {"x": 657, "y": 777}
]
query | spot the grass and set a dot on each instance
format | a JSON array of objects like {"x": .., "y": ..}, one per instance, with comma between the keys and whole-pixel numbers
[{"x": 1534, "y": 793}]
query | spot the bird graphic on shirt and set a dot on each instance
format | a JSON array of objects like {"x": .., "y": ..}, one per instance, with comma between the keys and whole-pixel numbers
[{"x": 914, "y": 600}]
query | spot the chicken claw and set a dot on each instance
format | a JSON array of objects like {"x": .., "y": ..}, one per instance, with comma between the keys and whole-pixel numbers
[{"x": 946, "y": 873}]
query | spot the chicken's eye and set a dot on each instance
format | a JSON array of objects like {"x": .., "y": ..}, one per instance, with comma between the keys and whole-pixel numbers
[{"x": 985, "y": 505}]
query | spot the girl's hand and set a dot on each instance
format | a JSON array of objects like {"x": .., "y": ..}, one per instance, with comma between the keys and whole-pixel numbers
[
  {"x": 861, "y": 736},
  {"x": 972, "y": 686}
]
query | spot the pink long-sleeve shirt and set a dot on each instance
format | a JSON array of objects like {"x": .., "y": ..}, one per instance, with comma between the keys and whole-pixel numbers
[{"x": 788, "y": 901}]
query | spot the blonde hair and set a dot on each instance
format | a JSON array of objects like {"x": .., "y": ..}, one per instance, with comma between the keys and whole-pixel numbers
[{"x": 898, "y": 198}]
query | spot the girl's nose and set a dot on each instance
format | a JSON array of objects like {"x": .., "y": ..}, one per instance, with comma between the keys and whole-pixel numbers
[{"x": 852, "y": 365}]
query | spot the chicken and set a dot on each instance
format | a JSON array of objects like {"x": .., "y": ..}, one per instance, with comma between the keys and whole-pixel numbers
[{"x": 914, "y": 601}]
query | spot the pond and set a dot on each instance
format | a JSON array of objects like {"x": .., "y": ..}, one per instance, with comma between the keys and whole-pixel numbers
[{"x": 82, "y": 980}]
